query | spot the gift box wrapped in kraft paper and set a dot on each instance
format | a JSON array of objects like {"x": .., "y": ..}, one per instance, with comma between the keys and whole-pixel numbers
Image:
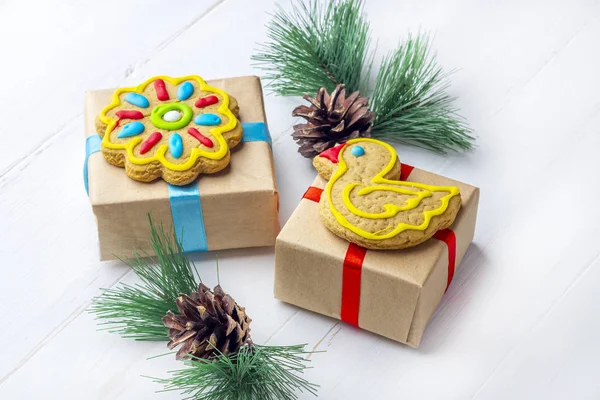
[
  {"x": 233, "y": 208},
  {"x": 390, "y": 292}
]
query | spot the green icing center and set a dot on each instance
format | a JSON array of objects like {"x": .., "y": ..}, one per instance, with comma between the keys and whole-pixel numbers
[{"x": 159, "y": 111}]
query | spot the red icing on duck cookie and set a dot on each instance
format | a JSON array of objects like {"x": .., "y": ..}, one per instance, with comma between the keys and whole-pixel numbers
[{"x": 332, "y": 153}]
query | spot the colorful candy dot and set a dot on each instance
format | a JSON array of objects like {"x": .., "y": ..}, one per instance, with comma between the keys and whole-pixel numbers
[
  {"x": 185, "y": 90},
  {"x": 176, "y": 145},
  {"x": 172, "y": 116},
  {"x": 357, "y": 151},
  {"x": 207, "y": 119},
  {"x": 137, "y": 100},
  {"x": 131, "y": 129}
]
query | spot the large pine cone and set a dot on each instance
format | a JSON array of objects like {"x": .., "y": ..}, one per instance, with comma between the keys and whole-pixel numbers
[
  {"x": 332, "y": 119},
  {"x": 209, "y": 323}
]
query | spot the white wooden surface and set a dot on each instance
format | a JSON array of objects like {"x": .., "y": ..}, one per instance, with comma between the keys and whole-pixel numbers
[{"x": 521, "y": 319}]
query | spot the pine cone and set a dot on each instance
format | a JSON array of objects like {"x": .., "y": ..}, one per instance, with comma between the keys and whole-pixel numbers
[
  {"x": 210, "y": 322},
  {"x": 332, "y": 119}
]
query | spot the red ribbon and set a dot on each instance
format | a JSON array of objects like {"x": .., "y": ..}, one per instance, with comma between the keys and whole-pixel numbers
[
  {"x": 405, "y": 171},
  {"x": 355, "y": 255},
  {"x": 447, "y": 236},
  {"x": 313, "y": 194},
  {"x": 351, "y": 277}
]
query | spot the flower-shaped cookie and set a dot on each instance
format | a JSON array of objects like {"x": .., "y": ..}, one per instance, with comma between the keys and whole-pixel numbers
[{"x": 174, "y": 128}]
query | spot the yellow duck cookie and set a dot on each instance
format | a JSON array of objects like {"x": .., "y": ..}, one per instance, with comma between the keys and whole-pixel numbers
[
  {"x": 365, "y": 203},
  {"x": 174, "y": 128}
]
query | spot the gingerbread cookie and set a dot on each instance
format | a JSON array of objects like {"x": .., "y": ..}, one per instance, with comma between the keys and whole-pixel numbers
[
  {"x": 174, "y": 128},
  {"x": 365, "y": 203}
]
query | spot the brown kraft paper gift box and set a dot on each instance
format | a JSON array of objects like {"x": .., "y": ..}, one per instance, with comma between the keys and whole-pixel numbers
[
  {"x": 398, "y": 290},
  {"x": 239, "y": 204}
]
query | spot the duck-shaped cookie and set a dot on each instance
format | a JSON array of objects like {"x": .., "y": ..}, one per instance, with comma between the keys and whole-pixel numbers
[{"x": 365, "y": 203}]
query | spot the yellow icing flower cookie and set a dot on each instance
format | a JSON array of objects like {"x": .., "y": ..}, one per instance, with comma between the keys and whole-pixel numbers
[
  {"x": 174, "y": 128},
  {"x": 365, "y": 203}
]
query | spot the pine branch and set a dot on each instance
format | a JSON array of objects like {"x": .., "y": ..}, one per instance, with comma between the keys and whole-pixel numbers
[
  {"x": 136, "y": 311},
  {"x": 314, "y": 45},
  {"x": 411, "y": 103},
  {"x": 253, "y": 373},
  {"x": 325, "y": 42}
]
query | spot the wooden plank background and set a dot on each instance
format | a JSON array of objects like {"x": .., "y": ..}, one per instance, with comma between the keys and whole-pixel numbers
[{"x": 519, "y": 321}]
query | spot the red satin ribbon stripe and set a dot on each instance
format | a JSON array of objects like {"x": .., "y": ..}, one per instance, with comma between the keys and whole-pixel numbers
[
  {"x": 351, "y": 278},
  {"x": 405, "y": 171},
  {"x": 313, "y": 193},
  {"x": 355, "y": 255},
  {"x": 447, "y": 236}
]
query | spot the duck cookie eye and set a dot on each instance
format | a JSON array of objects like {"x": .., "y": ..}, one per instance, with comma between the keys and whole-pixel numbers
[{"x": 358, "y": 151}]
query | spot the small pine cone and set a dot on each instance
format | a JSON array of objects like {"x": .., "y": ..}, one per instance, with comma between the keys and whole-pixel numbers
[
  {"x": 331, "y": 119},
  {"x": 209, "y": 322}
]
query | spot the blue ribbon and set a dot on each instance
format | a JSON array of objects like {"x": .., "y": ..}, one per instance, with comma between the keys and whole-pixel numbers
[
  {"x": 186, "y": 208},
  {"x": 256, "y": 132},
  {"x": 186, "y": 211},
  {"x": 92, "y": 145}
]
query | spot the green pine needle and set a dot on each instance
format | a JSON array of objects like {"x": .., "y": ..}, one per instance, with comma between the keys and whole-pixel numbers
[
  {"x": 322, "y": 43},
  {"x": 136, "y": 311},
  {"x": 316, "y": 45},
  {"x": 411, "y": 104},
  {"x": 253, "y": 373}
]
